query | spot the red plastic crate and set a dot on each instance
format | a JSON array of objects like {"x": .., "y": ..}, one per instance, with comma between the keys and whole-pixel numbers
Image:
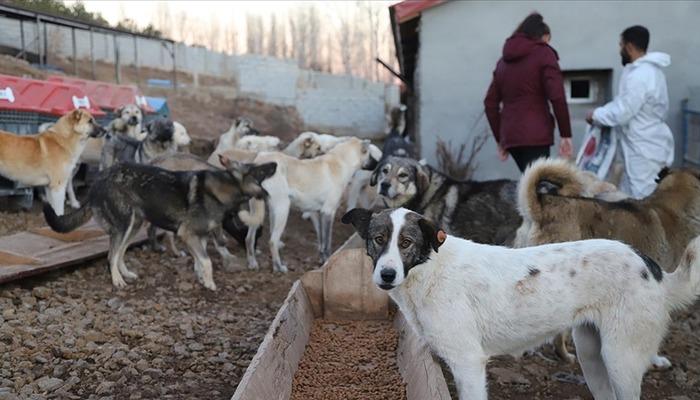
[
  {"x": 107, "y": 96},
  {"x": 43, "y": 97}
]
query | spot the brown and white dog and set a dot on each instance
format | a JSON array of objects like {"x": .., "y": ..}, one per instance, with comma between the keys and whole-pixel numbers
[
  {"x": 48, "y": 158},
  {"x": 556, "y": 204}
]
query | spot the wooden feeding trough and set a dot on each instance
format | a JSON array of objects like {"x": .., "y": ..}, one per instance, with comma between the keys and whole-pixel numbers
[{"x": 342, "y": 290}]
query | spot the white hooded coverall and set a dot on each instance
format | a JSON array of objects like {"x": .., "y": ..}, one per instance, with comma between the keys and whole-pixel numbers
[{"x": 638, "y": 113}]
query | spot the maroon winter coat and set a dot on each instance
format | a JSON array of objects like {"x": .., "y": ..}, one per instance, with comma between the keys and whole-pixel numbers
[{"x": 525, "y": 78}]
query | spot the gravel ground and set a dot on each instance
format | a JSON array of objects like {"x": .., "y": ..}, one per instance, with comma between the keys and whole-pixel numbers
[{"x": 70, "y": 335}]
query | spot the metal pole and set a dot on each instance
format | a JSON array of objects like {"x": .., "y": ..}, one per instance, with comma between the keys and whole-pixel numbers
[
  {"x": 136, "y": 59},
  {"x": 21, "y": 34},
  {"x": 75, "y": 52},
  {"x": 117, "y": 72},
  {"x": 38, "y": 39},
  {"x": 174, "y": 67},
  {"x": 46, "y": 44},
  {"x": 92, "y": 55}
]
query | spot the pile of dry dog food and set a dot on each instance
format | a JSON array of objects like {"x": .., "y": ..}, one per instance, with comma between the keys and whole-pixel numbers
[{"x": 350, "y": 360}]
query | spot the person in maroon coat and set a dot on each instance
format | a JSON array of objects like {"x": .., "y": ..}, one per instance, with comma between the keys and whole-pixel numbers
[{"x": 526, "y": 80}]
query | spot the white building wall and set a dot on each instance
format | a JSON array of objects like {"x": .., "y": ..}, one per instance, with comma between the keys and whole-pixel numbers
[{"x": 461, "y": 42}]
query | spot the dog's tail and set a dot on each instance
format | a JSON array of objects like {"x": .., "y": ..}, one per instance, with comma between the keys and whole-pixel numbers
[
  {"x": 546, "y": 176},
  {"x": 683, "y": 285},
  {"x": 255, "y": 216},
  {"x": 68, "y": 222}
]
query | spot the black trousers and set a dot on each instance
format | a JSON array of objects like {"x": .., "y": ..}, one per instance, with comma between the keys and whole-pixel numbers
[{"x": 525, "y": 155}]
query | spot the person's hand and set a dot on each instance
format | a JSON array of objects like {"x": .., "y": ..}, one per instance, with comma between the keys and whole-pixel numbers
[
  {"x": 502, "y": 154},
  {"x": 566, "y": 148},
  {"x": 589, "y": 117}
]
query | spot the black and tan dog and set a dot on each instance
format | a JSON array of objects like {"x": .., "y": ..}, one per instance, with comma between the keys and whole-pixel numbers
[
  {"x": 556, "y": 206},
  {"x": 191, "y": 204},
  {"x": 484, "y": 212},
  {"x": 159, "y": 141}
]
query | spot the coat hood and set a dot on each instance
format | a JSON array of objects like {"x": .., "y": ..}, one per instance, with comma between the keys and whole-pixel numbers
[
  {"x": 519, "y": 46},
  {"x": 656, "y": 58}
]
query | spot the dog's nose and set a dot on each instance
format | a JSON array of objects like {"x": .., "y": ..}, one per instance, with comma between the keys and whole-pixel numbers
[
  {"x": 388, "y": 275},
  {"x": 384, "y": 188}
]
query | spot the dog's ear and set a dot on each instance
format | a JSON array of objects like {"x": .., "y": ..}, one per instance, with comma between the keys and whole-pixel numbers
[
  {"x": 227, "y": 162},
  {"x": 262, "y": 171},
  {"x": 547, "y": 187},
  {"x": 665, "y": 171},
  {"x": 432, "y": 234},
  {"x": 308, "y": 142},
  {"x": 375, "y": 175},
  {"x": 77, "y": 114},
  {"x": 359, "y": 218},
  {"x": 119, "y": 111},
  {"x": 422, "y": 178}
]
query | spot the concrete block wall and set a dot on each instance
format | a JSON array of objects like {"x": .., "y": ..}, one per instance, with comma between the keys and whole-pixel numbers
[{"x": 338, "y": 104}]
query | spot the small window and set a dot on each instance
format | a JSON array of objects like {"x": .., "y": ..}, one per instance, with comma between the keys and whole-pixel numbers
[{"x": 581, "y": 90}]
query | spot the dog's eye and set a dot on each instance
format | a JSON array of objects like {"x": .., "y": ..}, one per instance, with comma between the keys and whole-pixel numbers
[
  {"x": 379, "y": 240},
  {"x": 385, "y": 171},
  {"x": 406, "y": 243},
  {"x": 403, "y": 175}
]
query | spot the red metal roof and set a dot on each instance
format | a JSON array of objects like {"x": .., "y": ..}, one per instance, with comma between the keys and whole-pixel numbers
[
  {"x": 107, "y": 96},
  {"x": 410, "y": 9},
  {"x": 53, "y": 98}
]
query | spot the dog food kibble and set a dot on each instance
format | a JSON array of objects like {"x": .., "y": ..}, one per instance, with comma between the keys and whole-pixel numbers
[{"x": 349, "y": 360}]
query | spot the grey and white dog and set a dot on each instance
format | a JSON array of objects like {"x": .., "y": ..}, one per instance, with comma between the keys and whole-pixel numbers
[
  {"x": 485, "y": 212},
  {"x": 191, "y": 204},
  {"x": 159, "y": 141}
]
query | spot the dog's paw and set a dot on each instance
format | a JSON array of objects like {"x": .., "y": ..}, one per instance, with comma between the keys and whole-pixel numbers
[
  {"x": 75, "y": 205},
  {"x": 159, "y": 248},
  {"x": 660, "y": 362},
  {"x": 130, "y": 275},
  {"x": 209, "y": 285},
  {"x": 118, "y": 282},
  {"x": 280, "y": 268}
]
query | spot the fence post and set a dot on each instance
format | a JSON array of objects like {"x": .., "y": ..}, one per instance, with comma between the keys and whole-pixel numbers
[
  {"x": 92, "y": 55},
  {"x": 174, "y": 66},
  {"x": 117, "y": 72},
  {"x": 136, "y": 59},
  {"x": 75, "y": 52},
  {"x": 38, "y": 39},
  {"x": 46, "y": 44},
  {"x": 21, "y": 34}
]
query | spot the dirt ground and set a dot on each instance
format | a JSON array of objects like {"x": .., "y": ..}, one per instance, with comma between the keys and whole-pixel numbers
[{"x": 70, "y": 335}]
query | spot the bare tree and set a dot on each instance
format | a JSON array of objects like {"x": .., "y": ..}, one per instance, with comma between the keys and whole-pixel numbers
[
  {"x": 283, "y": 40},
  {"x": 163, "y": 21},
  {"x": 183, "y": 26},
  {"x": 231, "y": 39},
  {"x": 345, "y": 36},
  {"x": 214, "y": 34},
  {"x": 272, "y": 37},
  {"x": 313, "y": 35},
  {"x": 254, "y": 34}
]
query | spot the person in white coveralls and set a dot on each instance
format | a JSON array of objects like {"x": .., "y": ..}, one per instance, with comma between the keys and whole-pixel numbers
[{"x": 638, "y": 113}]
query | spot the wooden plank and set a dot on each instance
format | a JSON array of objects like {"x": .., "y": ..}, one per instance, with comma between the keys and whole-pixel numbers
[
  {"x": 52, "y": 253},
  {"x": 269, "y": 375},
  {"x": 313, "y": 286},
  {"x": 11, "y": 258},
  {"x": 348, "y": 290},
  {"x": 420, "y": 372}
]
